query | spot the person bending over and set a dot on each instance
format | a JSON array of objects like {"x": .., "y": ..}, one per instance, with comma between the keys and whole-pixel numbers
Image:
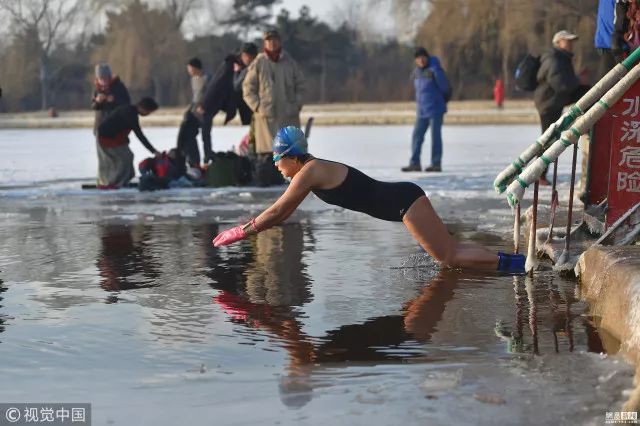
[
  {"x": 115, "y": 166},
  {"x": 344, "y": 186}
]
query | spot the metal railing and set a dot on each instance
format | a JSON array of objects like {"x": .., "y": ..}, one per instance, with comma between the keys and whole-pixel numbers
[{"x": 565, "y": 132}]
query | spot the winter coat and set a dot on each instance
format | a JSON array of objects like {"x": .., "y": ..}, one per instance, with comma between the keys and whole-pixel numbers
[
  {"x": 120, "y": 95},
  {"x": 274, "y": 92},
  {"x": 557, "y": 81},
  {"x": 219, "y": 94},
  {"x": 115, "y": 128},
  {"x": 430, "y": 84},
  {"x": 604, "y": 24}
]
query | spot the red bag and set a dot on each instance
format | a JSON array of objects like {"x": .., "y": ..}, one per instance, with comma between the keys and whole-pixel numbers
[{"x": 161, "y": 166}]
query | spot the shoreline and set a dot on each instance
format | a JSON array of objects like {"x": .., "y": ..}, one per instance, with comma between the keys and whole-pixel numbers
[{"x": 339, "y": 114}]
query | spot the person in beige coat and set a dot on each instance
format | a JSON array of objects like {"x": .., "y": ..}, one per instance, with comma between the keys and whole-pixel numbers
[{"x": 273, "y": 88}]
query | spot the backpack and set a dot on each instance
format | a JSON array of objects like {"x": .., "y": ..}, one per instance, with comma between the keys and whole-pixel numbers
[
  {"x": 526, "y": 75},
  {"x": 449, "y": 92},
  {"x": 228, "y": 169},
  {"x": 157, "y": 173}
]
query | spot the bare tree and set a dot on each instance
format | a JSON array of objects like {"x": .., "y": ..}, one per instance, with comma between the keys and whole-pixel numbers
[
  {"x": 347, "y": 13},
  {"x": 50, "y": 21},
  {"x": 179, "y": 9},
  {"x": 407, "y": 15},
  {"x": 145, "y": 58}
]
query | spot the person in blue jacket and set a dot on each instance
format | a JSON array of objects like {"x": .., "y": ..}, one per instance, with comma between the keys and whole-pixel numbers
[
  {"x": 432, "y": 89},
  {"x": 605, "y": 40}
]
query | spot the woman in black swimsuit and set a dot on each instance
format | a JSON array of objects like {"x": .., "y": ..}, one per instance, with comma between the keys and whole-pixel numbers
[{"x": 344, "y": 186}]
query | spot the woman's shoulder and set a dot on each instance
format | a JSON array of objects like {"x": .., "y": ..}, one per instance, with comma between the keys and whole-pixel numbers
[
  {"x": 322, "y": 164},
  {"x": 315, "y": 167},
  {"x": 320, "y": 171}
]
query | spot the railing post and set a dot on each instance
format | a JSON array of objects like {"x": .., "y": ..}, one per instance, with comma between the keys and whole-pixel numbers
[
  {"x": 532, "y": 250},
  {"x": 516, "y": 231},
  {"x": 533, "y": 313},
  {"x": 554, "y": 202},
  {"x": 568, "y": 321},
  {"x": 567, "y": 238}
]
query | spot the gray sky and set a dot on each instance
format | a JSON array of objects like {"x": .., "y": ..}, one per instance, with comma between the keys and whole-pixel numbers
[
  {"x": 320, "y": 8},
  {"x": 377, "y": 18}
]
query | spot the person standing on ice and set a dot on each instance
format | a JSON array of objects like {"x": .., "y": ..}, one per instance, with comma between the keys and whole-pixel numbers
[
  {"x": 432, "y": 90},
  {"x": 274, "y": 89},
  {"x": 115, "y": 167},
  {"x": 195, "y": 119},
  {"x": 109, "y": 93},
  {"x": 558, "y": 84}
]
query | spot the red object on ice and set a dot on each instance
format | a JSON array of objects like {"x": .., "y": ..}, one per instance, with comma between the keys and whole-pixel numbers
[{"x": 498, "y": 92}]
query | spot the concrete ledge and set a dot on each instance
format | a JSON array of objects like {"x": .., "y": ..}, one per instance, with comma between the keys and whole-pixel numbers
[{"x": 610, "y": 282}]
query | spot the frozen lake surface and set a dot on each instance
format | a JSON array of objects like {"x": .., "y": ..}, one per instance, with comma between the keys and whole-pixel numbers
[{"x": 117, "y": 298}]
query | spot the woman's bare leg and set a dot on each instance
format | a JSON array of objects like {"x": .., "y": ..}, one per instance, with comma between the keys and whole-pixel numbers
[{"x": 427, "y": 228}]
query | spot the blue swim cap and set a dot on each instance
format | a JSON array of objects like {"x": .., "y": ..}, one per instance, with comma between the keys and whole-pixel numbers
[{"x": 289, "y": 140}]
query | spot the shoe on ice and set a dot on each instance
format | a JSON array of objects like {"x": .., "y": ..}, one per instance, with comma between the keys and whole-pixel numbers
[
  {"x": 412, "y": 168},
  {"x": 433, "y": 169},
  {"x": 511, "y": 262}
]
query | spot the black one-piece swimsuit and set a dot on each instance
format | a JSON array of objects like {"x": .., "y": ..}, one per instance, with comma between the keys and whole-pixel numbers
[{"x": 382, "y": 200}]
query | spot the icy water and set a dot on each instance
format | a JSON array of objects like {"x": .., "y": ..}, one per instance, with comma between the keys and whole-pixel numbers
[{"x": 119, "y": 299}]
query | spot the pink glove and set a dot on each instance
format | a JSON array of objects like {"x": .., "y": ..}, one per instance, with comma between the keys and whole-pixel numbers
[
  {"x": 229, "y": 236},
  {"x": 238, "y": 233}
]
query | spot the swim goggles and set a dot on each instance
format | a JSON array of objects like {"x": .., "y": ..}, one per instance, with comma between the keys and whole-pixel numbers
[{"x": 278, "y": 157}]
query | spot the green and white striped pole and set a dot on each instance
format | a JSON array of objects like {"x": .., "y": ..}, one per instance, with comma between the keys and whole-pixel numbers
[
  {"x": 553, "y": 132},
  {"x": 515, "y": 191}
]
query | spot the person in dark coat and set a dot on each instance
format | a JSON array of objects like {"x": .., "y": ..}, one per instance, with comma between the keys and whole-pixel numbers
[
  {"x": 115, "y": 159},
  {"x": 109, "y": 93},
  {"x": 248, "y": 53},
  {"x": 219, "y": 95},
  {"x": 558, "y": 84}
]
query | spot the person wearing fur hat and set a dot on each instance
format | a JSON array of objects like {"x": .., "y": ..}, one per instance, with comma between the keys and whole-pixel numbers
[{"x": 109, "y": 93}]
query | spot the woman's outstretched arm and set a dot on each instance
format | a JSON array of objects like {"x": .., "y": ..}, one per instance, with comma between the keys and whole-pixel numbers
[{"x": 296, "y": 192}]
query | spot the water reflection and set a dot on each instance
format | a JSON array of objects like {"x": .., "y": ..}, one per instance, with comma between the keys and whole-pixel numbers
[
  {"x": 540, "y": 301},
  {"x": 157, "y": 267},
  {"x": 3, "y": 288},
  {"x": 277, "y": 274},
  {"x": 125, "y": 261},
  {"x": 385, "y": 339},
  {"x": 271, "y": 271}
]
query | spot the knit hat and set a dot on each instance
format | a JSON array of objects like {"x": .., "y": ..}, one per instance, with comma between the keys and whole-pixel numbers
[
  {"x": 420, "y": 51},
  {"x": 103, "y": 71},
  {"x": 250, "y": 49},
  {"x": 195, "y": 63}
]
